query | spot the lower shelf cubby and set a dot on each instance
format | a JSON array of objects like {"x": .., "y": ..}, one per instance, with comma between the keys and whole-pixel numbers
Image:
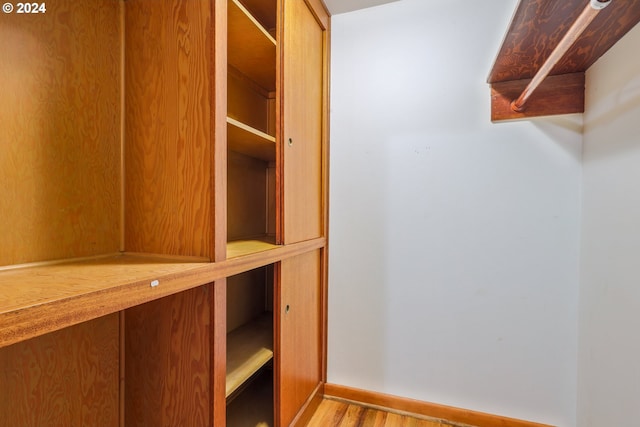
[
  {"x": 249, "y": 373},
  {"x": 253, "y": 405}
]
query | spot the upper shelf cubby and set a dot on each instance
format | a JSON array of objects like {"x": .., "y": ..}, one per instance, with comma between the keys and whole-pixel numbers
[
  {"x": 252, "y": 49},
  {"x": 264, "y": 12},
  {"x": 535, "y": 30}
]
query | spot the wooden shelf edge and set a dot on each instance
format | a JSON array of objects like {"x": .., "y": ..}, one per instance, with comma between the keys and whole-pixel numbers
[
  {"x": 247, "y": 140},
  {"x": 563, "y": 94},
  {"x": 249, "y": 129},
  {"x": 67, "y": 294},
  {"x": 249, "y": 348}
]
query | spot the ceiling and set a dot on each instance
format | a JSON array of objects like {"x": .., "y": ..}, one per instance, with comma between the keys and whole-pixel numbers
[{"x": 342, "y": 6}]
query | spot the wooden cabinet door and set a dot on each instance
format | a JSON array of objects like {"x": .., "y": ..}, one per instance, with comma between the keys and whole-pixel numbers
[
  {"x": 299, "y": 351},
  {"x": 304, "y": 98}
]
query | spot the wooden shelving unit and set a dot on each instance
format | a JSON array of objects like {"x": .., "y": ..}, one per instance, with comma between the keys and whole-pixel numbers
[{"x": 141, "y": 174}]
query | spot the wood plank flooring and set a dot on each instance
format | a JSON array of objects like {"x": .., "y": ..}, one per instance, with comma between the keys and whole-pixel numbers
[{"x": 334, "y": 413}]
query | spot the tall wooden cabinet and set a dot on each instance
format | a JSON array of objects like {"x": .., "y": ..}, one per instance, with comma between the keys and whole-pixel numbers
[{"x": 163, "y": 167}]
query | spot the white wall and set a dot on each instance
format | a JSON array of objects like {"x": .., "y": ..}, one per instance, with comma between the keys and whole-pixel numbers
[
  {"x": 609, "y": 362},
  {"x": 454, "y": 241}
]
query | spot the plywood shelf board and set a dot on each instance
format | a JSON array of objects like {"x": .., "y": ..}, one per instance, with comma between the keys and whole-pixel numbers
[
  {"x": 249, "y": 348},
  {"x": 45, "y": 298},
  {"x": 252, "y": 50},
  {"x": 250, "y": 141},
  {"x": 48, "y": 283}
]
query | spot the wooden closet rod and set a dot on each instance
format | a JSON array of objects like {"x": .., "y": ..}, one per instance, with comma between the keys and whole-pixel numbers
[{"x": 578, "y": 27}]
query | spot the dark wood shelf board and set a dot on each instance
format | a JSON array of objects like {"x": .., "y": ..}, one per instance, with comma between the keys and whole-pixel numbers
[
  {"x": 534, "y": 32},
  {"x": 538, "y": 25}
]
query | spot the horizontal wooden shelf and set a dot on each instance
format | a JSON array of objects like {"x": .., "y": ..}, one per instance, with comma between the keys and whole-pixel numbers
[
  {"x": 249, "y": 348},
  {"x": 536, "y": 28},
  {"x": 240, "y": 248},
  {"x": 39, "y": 299},
  {"x": 252, "y": 50},
  {"x": 244, "y": 139},
  {"x": 35, "y": 300}
]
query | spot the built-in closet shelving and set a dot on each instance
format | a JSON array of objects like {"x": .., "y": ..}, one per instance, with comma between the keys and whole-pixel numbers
[{"x": 145, "y": 274}]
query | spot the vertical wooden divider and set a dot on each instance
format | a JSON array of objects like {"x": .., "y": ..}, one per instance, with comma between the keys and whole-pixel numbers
[
  {"x": 219, "y": 199},
  {"x": 123, "y": 116},
  {"x": 122, "y": 384},
  {"x": 122, "y": 353}
]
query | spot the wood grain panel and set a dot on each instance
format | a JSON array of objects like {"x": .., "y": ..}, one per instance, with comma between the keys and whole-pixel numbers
[
  {"x": 303, "y": 80},
  {"x": 246, "y": 196},
  {"x": 219, "y": 346},
  {"x": 247, "y": 102},
  {"x": 60, "y": 138},
  {"x": 169, "y": 196},
  {"x": 168, "y": 361},
  {"x": 563, "y": 94},
  {"x": 538, "y": 25},
  {"x": 246, "y": 296},
  {"x": 298, "y": 347},
  {"x": 66, "y": 378}
]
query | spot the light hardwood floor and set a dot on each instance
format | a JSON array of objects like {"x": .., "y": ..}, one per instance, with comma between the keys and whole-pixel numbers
[{"x": 334, "y": 413}]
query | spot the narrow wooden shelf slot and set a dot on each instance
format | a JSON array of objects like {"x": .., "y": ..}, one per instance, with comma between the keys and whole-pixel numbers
[
  {"x": 246, "y": 140},
  {"x": 249, "y": 348},
  {"x": 252, "y": 50}
]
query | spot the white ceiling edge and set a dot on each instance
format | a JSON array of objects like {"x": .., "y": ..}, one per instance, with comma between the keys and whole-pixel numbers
[{"x": 342, "y": 6}]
